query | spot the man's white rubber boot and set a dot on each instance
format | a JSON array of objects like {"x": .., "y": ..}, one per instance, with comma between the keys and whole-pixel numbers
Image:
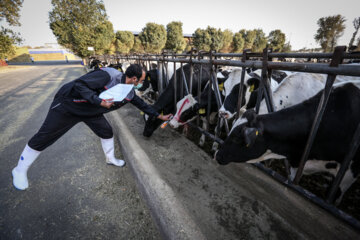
[
  {"x": 19, "y": 173},
  {"x": 108, "y": 147}
]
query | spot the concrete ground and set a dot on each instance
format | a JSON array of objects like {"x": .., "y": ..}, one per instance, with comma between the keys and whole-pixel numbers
[
  {"x": 73, "y": 194},
  {"x": 192, "y": 197}
]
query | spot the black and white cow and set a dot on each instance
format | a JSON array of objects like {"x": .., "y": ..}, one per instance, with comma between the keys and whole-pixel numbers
[
  {"x": 231, "y": 91},
  {"x": 189, "y": 107},
  {"x": 165, "y": 103},
  {"x": 284, "y": 134},
  {"x": 151, "y": 78}
]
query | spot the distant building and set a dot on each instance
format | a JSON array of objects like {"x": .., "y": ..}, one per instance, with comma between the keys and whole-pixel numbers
[{"x": 48, "y": 54}]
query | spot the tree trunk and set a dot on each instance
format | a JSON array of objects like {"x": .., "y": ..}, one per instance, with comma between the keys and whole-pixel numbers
[{"x": 353, "y": 38}]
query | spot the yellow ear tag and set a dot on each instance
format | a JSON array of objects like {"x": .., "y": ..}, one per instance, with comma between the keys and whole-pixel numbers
[
  {"x": 221, "y": 87},
  {"x": 142, "y": 113},
  {"x": 162, "y": 112},
  {"x": 202, "y": 111},
  {"x": 148, "y": 78},
  {"x": 252, "y": 88},
  {"x": 257, "y": 133}
]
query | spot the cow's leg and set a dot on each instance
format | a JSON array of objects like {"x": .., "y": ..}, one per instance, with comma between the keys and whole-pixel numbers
[
  {"x": 347, "y": 181},
  {"x": 293, "y": 173},
  {"x": 218, "y": 128},
  {"x": 205, "y": 127},
  {"x": 315, "y": 166}
]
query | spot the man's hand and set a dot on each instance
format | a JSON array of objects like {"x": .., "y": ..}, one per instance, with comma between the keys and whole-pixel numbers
[
  {"x": 165, "y": 117},
  {"x": 107, "y": 103}
]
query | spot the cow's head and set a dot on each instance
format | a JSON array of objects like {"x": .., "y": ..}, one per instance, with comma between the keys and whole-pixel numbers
[
  {"x": 244, "y": 143},
  {"x": 229, "y": 107},
  {"x": 151, "y": 124},
  {"x": 187, "y": 109}
]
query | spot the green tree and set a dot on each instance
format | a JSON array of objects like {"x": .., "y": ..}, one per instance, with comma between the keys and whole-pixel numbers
[
  {"x": 287, "y": 47},
  {"x": 238, "y": 42},
  {"x": 228, "y": 41},
  {"x": 106, "y": 32},
  {"x": 330, "y": 30},
  {"x": 201, "y": 39},
  {"x": 8, "y": 39},
  {"x": 249, "y": 38},
  {"x": 208, "y": 39},
  {"x": 9, "y": 12},
  {"x": 79, "y": 24},
  {"x": 356, "y": 24},
  {"x": 137, "y": 47},
  {"x": 175, "y": 37},
  {"x": 276, "y": 40},
  {"x": 217, "y": 38},
  {"x": 260, "y": 41},
  {"x": 153, "y": 37},
  {"x": 124, "y": 41}
]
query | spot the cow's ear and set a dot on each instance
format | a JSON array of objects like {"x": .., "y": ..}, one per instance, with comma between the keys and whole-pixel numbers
[
  {"x": 253, "y": 83},
  {"x": 250, "y": 115},
  {"x": 250, "y": 135}
]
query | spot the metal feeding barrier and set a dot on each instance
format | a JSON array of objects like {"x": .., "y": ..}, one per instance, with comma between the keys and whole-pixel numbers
[{"x": 266, "y": 64}]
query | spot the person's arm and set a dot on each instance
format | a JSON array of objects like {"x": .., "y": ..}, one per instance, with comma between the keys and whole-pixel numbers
[
  {"x": 139, "y": 103},
  {"x": 89, "y": 83}
]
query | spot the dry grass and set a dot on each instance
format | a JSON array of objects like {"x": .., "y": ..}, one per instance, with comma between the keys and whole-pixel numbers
[{"x": 12, "y": 68}]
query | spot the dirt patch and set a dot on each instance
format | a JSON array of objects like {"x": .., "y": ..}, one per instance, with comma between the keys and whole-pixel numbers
[{"x": 4, "y": 69}]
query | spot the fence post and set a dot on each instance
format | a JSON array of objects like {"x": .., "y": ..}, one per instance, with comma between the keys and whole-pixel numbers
[
  {"x": 344, "y": 165},
  {"x": 241, "y": 87},
  {"x": 175, "y": 84},
  {"x": 199, "y": 89},
  {"x": 336, "y": 60}
]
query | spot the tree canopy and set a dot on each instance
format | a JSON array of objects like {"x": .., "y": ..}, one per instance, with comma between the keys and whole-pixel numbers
[
  {"x": 276, "y": 40},
  {"x": 79, "y": 24},
  {"x": 208, "y": 39},
  {"x": 175, "y": 38},
  {"x": 124, "y": 41},
  {"x": 228, "y": 41},
  {"x": 249, "y": 38},
  {"x": 356, "y": 24},
  {"x": 8, "y": 39},
  {"x": 9, "y": 10},
  {"x": 330, "y": 29},
  {"x": 238, "y": 42},
  {"x": 260, "y": 41},
  {"x": 153, "y": 37}
]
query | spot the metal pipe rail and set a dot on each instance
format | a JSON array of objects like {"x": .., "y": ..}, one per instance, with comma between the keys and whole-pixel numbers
[
  {"x": 271, "y": 55},
  {"x": 342, "y": 69}
]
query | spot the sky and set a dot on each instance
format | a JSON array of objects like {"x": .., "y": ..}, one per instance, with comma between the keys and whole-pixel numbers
[{"x": 297, "y": 19}]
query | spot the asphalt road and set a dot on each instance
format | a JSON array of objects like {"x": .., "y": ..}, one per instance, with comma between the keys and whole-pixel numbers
[{"x": 73, "y": 194}]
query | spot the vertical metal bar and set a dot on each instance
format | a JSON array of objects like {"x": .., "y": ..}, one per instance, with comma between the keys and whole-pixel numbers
[
  {"x": 241, "y": 87},
  {"x": 175, "y": 85},
  {"x": 344, "y": 165},
  {"x": 164, "y": 75},
  {"x": 184, "y": 81},
  {"x": 216, "y": 89},
  {"x": 199, "y": 89},
  {"x": 337, "y": 59},
  {"x": 160, "y": 77},
  {"x": 191, "y": 72},
  {"x": 265, "y": 79},
  {"x": 181, "y": 82}
]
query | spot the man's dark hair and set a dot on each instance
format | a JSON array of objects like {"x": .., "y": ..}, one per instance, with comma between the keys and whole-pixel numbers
[{"x": 134, "y": 70}]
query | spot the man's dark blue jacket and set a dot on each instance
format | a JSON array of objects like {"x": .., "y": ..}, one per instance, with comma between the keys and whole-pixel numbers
[{"x": 81, "y": 96}]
